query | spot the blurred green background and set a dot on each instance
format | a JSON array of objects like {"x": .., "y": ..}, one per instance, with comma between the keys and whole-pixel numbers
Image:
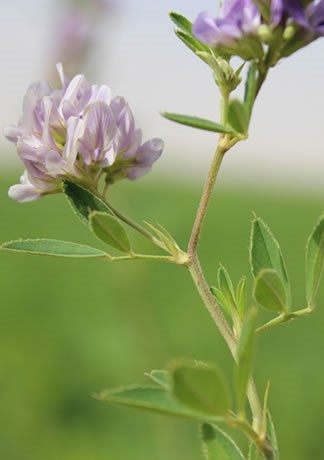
[{"x": 69, "y": 328}]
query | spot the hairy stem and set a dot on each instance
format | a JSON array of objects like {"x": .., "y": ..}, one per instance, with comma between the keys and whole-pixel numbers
[
  {"x": 222, "y": 147},
  {"x": 224, "y": 144},
  {"x": 222, "y": 325}
]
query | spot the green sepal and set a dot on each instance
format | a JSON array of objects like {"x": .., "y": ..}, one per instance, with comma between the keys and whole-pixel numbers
[
  {"x": 272, "y": 436},
  {"x": 226, "y": 287},
  {"x": 161, "y": 377},
  {"x": 191, "y": 42},
  {"x": 182, "y": 22},
  {"x": 109, "y": 230},
  {"x": 168, "y": 243},
  {"x": 265, "y": 254},
  {"x": 217, "y": 445},
  {"x": 201, "y": 387},
  {"x": 222, "y": 300},
  {"x": 238, "y": 117},
  {"x": 314, "y": 260},
  {"x": 195, "y": 122},
  {"x": 56, "y": 248},
  {"x": 153, "y": 399},
  {"x": 254, "y": 453},
  {"x": 83, "y": 202},
  {"x": 269, "y": 292},
  {"x": 245, "y": 358},
  {"x": 241, "y": 297}
]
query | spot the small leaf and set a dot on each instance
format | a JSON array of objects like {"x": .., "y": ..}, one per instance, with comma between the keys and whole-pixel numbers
[
  {"x": 265, "y": 253},
  {"x": 201, "y": 387},
  {"x": 272, "y": 436},
  {"x": 150, "y": 398},
  {"x": 241, "y": 297},
  {"x": 46, "y": 247},
  {"x": 161, "y": 377},
  {"x": 226, "y": 286},
  {"x": 245, "y": 357},
  {"x": 269, "y": 291},
  {"x": 196, "y": 122},
  {"x": 222, "y": 300},
  {"x": 255, "y": 454},
  {"x": 314, "y": 260},
  {"x": 110, "y": 231},
  {"x": 83, "y": 202},
  {"x": 181, "y": 22},
  {"x": 238, "y": 117},
  {"x": 250, "y": 89},
  {"x": 217, "y": 445}
]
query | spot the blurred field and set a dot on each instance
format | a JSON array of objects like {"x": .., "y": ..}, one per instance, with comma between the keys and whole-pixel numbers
[{"x": 69, "y": 328}]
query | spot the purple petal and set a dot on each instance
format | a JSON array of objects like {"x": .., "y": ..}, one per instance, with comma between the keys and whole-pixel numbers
[
  {"x": 99, "y": 134},
  {"x": 12, "y": 133},
  {"x": 75, "y": 130},
  {"x": 33, "y": 109},
  {"x": 55, "y": 165},
  {"x": 24, "y": 193}
]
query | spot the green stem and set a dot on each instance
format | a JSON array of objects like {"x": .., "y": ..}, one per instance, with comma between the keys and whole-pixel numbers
[
  {"x": 134, "y": 256},
  {"x": 222, "y": 148},
  {"x": 246, "y": 428},
  {"x": 222, "y": 325},
  {"x": 131, "y": 223},
  {"x": 211, "y": 304},
  {"x": 224, "y": 144},
  {"x": 284, "y": 318}
]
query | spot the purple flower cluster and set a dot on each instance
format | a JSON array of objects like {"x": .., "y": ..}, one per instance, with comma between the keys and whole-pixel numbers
[
  {"x": 311, "y": 17},
  {"x": 80, "y": 134},
  {"x": 240, "y": 19},
  {"x": 237, "y": 18}
]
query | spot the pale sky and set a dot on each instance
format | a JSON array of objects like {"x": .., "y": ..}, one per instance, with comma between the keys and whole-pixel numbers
[{"x": 139, "y": 57}]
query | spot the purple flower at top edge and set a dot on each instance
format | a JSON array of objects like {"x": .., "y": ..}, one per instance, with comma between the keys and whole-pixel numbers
[
  {"x": 78, "y": 133},
  {"x": 237, "y": 18},
  {"x": 310, "y": 17},
  {"x": 277, "y": 11}
]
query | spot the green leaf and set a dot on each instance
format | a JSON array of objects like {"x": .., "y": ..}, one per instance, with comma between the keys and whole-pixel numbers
[
  {"x": 201, "y": 387},
  {"x": 46, "y": 247},
  {"x": 314, "y": 260},
  {"x": 272, "y": 436},
  {"x": 110, "y": 231},
  {"x": 161, "y": 377},
  {"x": 265, "y": 254},
  {"x": 83, "y": 202},
  {"x": 180, "y": 21},
  {"x": 222, "y": 300},
  {"x": 150, "y": 398},
  {"x": 250, "y": 89},
  {"x": 217, "y": 445},
  {"x": 254, "y": 453},
  {"x": 269, "y": 291},
  {"x": 196, "y": 122},
  {"x": 245, "y": 357},
  {"x": 226, "y": 287},
  {"x": 238, "y": 117},
  {"x": 241, "y": 297}
]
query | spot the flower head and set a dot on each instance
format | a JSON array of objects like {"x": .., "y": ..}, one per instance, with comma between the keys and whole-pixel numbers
[
  {"x": 237, "y": 19},
  {"x": 80, "y": 134},
  {"x": 309, "y": 17}
]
